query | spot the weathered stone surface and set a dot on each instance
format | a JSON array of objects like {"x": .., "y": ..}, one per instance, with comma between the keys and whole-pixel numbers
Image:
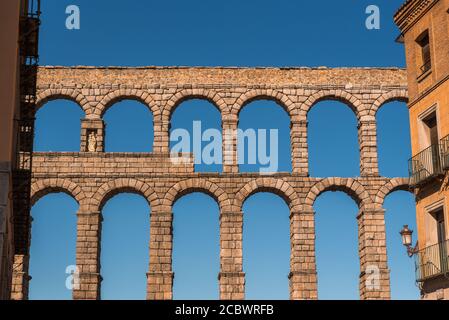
[{"x": 93, "y": 177}]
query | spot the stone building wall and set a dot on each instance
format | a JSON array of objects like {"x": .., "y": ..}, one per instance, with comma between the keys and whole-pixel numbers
[
  {"x": 428, "y": 89},
  {"x": 92, "y": 176},
  {"x": 6, "y": 232}
]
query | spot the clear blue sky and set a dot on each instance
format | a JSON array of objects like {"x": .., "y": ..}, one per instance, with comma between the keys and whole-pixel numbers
[{"x": 226, "y": 33}]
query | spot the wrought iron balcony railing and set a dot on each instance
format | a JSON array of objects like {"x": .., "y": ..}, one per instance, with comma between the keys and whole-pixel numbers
[
  {"x": 444, "y": 151},
  {"x": 432, "y": 261},
  {"x": 426, "y": 66},
  {"x": 425, "y": 165}
]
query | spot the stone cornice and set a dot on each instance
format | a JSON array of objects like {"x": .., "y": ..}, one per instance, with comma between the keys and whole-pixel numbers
[{"x": 410, "y": 12}]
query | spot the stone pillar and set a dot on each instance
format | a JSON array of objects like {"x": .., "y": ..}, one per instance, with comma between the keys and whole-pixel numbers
[
  {"x": 231, "y": 277},
  {"x": 299, "y": 152},
  {"x": 303, "y": 275},
  {"x": 374, "y": 272},
  {"x": 160, "y": 275},
  {"x": 368, "y": 148},
  {"x": 161, "y": 142},
  {"x": 230, "y": 157},
  {"x": 88, "y": 246},
  {"x": 20, "y": 277},
  {"x": 95, "y": 126}
]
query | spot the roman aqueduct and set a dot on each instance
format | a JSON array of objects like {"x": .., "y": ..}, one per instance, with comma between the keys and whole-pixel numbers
[{"x": 94, "y": 176}]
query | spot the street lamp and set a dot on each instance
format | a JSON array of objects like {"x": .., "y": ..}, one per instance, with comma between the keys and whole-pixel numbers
[{"x": 406, "y": 235}]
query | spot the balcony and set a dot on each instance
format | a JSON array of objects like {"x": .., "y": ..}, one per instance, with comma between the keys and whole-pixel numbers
[
  {"x": 444, "y": 150},
  {"x": 432, "y": 261},
  {"x": 425, "y": 165},
  {"x": 426, "y": 66}
]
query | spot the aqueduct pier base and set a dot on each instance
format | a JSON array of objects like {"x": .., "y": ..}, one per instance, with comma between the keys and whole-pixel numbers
[{"x": 94, "y": 176}]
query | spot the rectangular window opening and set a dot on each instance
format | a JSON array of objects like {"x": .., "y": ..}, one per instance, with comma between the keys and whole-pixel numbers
[{"x": 424, "y": 42}]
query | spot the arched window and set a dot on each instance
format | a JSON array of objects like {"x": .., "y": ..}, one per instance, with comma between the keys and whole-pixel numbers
[
  {"x": 266, "y": 247},
  {"x": 264, "y": 138},
  {"x": 196, "y": 128},
  {"x": 58, "y": 126},
  {"x": 196, "y": 247},
  {"x": 124, "y": 247},
  {"x": 129, "y": 127},
  {"x": 332, "y": 140},
  {"x": 337, "y": 256},
  {"x": 53, "y": 247},
  {"x": 393, "y": 139}
]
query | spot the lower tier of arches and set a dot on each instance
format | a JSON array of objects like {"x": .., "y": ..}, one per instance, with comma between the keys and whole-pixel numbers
[{"x": 92, "y": 191}]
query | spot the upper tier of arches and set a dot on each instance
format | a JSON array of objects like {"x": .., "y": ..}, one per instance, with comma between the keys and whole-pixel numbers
[
  {"x": 364, "y": 104},
  {"x": 229, "y": 102}
]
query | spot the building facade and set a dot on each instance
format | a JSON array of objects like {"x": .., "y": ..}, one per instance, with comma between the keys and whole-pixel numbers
[
  {"x": 9, "y": 33},
  {"x": 424, "y": 26},
  {"x": 18, "y": 64}
]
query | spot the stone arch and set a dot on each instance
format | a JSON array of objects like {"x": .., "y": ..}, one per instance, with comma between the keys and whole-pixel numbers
[
  {"x": 122, "y": 185},
  {"x": 41, "y": 188},
  {"x": 351, "y": 187},
  {"x": 277, "y": 186},
  {"x": 391, "y": 186},
  {"x": 73, "y": 95},
  {"x": 264, "y": 94},
  {"x": 394, "y": 95},
  {"x": 127, "y": 94},
  {"x": 188, "y": 94},
  {"x": 196, "y": 185},
  {"x": 338, "y": 95}
]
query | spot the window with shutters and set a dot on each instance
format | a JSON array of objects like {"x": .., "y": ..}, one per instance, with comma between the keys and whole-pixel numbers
[{"x": 424, "y": 42}]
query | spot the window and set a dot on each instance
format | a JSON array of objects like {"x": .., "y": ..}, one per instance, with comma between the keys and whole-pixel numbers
[
  {"x": 424, "y": 43},
  {"x": 439, "y": 237},
  {"x": 431, "y": 128},
  {"x": 431, "y": 157},
  {"x": 435, "y": 223},
  {"x": 441, "y": 230},
  {"x": 428, "y": 133},
  {"x": 427, "y": 163},
  {"x": 432, "y": 259}
]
